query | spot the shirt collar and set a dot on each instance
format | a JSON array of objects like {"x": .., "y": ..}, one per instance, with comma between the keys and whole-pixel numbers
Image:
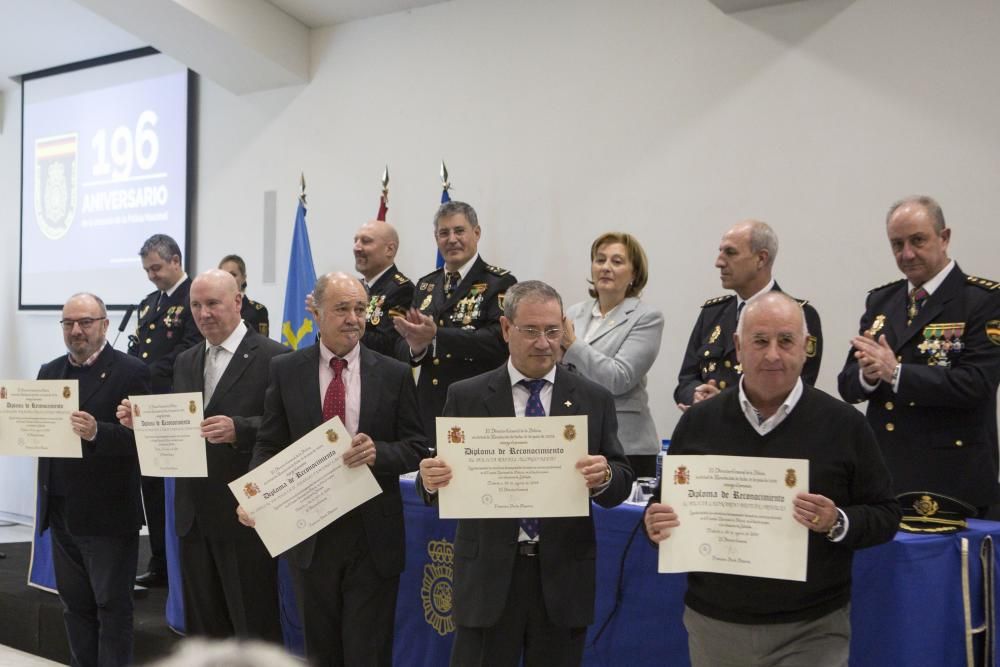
[
  {"x": 767, "y": 288},
  {"x": 369, "y": 283},
  {"x": 90, "y": 360},
  {"x": 516, "y": 375},
  {"x": 936, "y": 281},
  {"x": 465, "y": 268},
  {"x": 170, "y": 292},
  {"x": 326, "y": 354},
  {"x": 783, "y": 410},
  {"x": 232, "y": 341}
]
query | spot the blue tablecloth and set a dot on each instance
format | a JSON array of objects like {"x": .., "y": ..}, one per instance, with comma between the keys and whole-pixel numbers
[{"x": 906, "y": 605}]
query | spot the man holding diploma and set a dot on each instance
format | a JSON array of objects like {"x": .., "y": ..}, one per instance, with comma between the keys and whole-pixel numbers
[
  {"x": 526, "y": 586},
  {"x": 737, "y": 620},
  {"x": 347, "y": 575},
  {"x": 91, "y": 505},
  {"x": 230, "y": 581}
]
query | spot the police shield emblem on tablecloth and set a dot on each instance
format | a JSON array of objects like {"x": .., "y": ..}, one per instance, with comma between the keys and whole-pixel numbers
[
  {"x": 436, "y": 589},
  {"x": 55, "y": 184}
]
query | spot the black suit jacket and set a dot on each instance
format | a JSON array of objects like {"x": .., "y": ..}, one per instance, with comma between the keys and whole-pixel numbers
[
  {"x": 485, "y": 549},
  {"x": 293, "y": 407},
  {"x": 102, "y": 494},
  {"x": 468, "y": 341},
  {"x": 163, "y": 333},
  {"x": 388, "y": 297},
  {"x": 939, "y": 432},
  {"x": 239, "y": 395},
  {"x": 711, "y": 350}
]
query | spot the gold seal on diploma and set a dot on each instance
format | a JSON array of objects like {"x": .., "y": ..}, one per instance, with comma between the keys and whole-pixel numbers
[
  {"x": 790, "y": 478},
  {"x": 331, "y": 435},
  {"x": 192, "y": 408},
  {"x": 569, "y": 432},
  {"x": 682, "y": 475},
  {"x": 66, "y": 392},
  {"x": 251, "y": 489},
  {"x": 456, "y": 436}
]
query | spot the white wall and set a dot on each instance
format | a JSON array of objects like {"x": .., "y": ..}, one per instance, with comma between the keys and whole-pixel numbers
[{"x": 566, "y": 118}]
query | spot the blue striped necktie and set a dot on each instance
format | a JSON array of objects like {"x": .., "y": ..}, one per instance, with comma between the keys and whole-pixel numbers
[{"x": 534, "y": 408}]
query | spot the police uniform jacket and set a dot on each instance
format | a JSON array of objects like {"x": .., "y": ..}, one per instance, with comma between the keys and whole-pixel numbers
[
  {"x": 711, "y": 350},
  {"x": 164, "y": 332},
  {"x": 388, "y": 297},
  {"x": 938, "y": 432},
  {"x": 468, "y": 340},
  {"x": 255, "y": 315}
]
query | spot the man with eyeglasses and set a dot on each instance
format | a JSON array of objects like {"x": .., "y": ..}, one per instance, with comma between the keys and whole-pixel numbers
[
  {"x": 346, "y": 576},
  {"x": 452, "y": 330},
  {"x": 164, "y": 330},
  {"x": 524, "y": 588},
  {"x": 91, "y": 505}
]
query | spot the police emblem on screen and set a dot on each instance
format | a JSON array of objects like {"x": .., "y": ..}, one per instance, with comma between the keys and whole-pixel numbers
[{"x": 55, "y": 184}]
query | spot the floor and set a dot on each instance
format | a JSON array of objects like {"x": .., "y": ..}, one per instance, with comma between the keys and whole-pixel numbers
[{"x": 10, "y": 657}]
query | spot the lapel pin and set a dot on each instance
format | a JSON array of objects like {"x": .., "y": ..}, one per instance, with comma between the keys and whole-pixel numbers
[
  {"x": 104, "y": 375},
  {"x": 246, "y": 356},
  {"x": 568, "y": 403}
]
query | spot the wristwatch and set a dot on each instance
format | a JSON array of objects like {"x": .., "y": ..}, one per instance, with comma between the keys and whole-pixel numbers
[
  {"x": 838, "y": 529},
  {"x": 607, "y": 475}
]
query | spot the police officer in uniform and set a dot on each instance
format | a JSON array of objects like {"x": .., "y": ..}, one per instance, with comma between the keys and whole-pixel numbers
[
  {"x": 389, "y": 291},
  {"x": 927, "y": 360},
  {"x": 745, "y": 262},
  {"x": 252, "y": 312},
  {"x": 164, "y": 330},
  {"x": 452, "y": 331}
]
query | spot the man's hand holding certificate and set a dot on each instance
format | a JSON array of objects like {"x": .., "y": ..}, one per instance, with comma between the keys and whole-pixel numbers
[
  {"x": 735, "y": 515},
  {"x": 307, "y": 486},
  {"x": 508, "y": 467}
]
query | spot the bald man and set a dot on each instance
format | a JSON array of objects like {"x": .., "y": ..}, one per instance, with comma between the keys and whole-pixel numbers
[
  {"x": 389, "y": 291},
  {"x": 230, "y": 580},
  {"x": 746, "y": 264},
  {"x": 346, "y": 576}
]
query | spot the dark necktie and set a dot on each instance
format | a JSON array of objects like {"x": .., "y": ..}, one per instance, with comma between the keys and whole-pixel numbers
[
  {"x": 917, "y": 297},
  {"x": 160, "y": 299},
  {"x": 451, "y": 282},
  {"x": 534, "y": 408},
  {"x": 335, "y": 401},
  {"x": 739, "y": 309}
]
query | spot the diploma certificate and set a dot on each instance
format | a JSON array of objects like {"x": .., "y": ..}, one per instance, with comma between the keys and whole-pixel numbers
[
  {"x": 513, "y": 467},
  {"x": 34, "y": 418},
  {"x": 304, "y": 488},
  {"x": 736, "y": 516},
  {"x": 168, "y": 435}
]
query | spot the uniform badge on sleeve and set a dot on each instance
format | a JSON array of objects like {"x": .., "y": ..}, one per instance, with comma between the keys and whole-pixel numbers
[
  {"x": 993, "y": 331},
  {"x": 716, "y": 332}
]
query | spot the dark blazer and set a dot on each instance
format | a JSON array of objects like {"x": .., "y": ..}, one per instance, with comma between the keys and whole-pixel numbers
[
  {"x": 711, "y": 351},
  {"x": 293, "y": 407},
  {"x": 163, "y": 333},
  {"x": 102, "y": 495},
  {"x": 240, "y": 395},
  {"x": 388, "y": 297},
  {"x": 939, "y": 432},
  {"x": 468, "y": 342},
  {"x": 485, "y": 549}
]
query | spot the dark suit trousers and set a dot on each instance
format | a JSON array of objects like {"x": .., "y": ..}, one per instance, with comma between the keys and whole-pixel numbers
[
  {"x": 524, "y": 626},
  {"x": 95, "y": 576},
  {"x": 347, "y": 608},
  {"x": 154, "y": 503},
  {"x": 230, "y": 587}
]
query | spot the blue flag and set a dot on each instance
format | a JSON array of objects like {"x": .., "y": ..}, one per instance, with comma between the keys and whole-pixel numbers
[
  {"x": 445, "y": 198},
  {"x": 297, "y": 326}
]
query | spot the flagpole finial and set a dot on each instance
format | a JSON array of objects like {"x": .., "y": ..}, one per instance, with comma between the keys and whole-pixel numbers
[
  {"x": 385, "y": 180},
  {"x": 302, "y": 192},
  {"x": 444, "y": 176}
]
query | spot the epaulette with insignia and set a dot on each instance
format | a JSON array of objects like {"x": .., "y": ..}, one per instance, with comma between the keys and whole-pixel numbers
[
  {"x": 432, "y": 274},
  {"x": 717, "y": 300},
  {"x": 982, "y": 282},
  {"x": 889, "y": 284},
  {"x": 400, "y": 278},
  {"x": 496, "y": 270},
  {"x": 258, "y": 306}
]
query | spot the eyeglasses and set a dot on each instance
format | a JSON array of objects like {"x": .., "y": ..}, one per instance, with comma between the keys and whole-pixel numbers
[
  {"x": 534, "y": 333},
  {"x": 84, "y": 322}
]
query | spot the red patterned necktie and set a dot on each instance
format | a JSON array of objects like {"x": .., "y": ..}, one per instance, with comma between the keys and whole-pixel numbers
[
  {"x": 917, "y": 297},
  {"x": 335, "y": 401}
]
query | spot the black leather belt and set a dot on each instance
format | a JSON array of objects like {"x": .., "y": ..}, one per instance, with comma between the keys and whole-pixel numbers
[{"x": 529, "y": 549}]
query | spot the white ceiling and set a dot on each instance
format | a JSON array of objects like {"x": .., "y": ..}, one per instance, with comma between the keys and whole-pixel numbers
[{"x": 38, "y": 34}]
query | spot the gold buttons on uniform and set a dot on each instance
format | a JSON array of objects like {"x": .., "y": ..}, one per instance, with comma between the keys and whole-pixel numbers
[
  {"x": 728, "y": 364},
  {"x": 890, "y": 427},
  {"x": 889, "y": 405},
  {"x": 145, "y": 354},
  {"x": 912, "y": 404},
  {"x": 959, "y": 443},
  {"x": 148, "y": 341},
  {"x": 437, "y": 362},
  {"x": 448, "y": 356},
  {"x": 707, "y": 353},
  {"x": 434, "y": 382},
  {"x": 440, "y": 323},
  {"x": 722, "y": 384},
  {"x": 152, "y": 326}
]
